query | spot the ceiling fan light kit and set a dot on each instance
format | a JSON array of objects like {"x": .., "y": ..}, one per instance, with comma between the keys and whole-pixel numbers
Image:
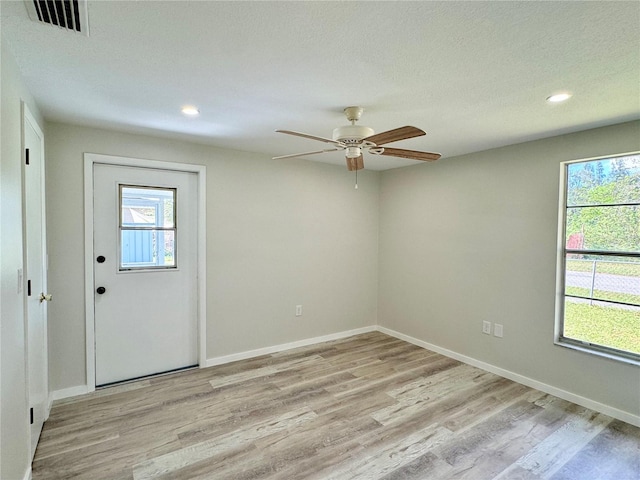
[{"x": 353, "y": 139}]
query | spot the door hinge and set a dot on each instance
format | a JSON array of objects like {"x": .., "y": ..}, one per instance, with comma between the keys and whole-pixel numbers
[
  {"x": 26, "y": 156},
  {"x": 28, "y": 288},
  {"x": 31, "y": 415}
]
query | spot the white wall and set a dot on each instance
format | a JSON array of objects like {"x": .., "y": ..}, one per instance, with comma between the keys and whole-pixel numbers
[
  {"x": 14, "y": 408},
  {"x": 279, "y": 233},
  {"x": 473, "y": 238}
]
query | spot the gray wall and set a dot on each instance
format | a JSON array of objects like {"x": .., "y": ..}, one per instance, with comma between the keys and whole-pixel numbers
[
  {"x": 474, "y": 238},
  {"x": 14, "y": 408},
  {"x": 279, "y": 233},
  {"x": 462, "y": 240}
]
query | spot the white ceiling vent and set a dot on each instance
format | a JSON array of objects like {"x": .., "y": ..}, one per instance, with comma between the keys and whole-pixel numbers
[{"x": 69, "y": 15}]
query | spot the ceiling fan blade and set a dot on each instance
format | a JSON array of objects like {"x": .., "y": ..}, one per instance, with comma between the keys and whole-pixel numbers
[
  {"x": 304, "y": 154},
  {"x": 311, "y": 137},
  {"x": 355, "y": 163},
  {"x": 394, "y": 135},
  {"x": 411, "y": 154}
]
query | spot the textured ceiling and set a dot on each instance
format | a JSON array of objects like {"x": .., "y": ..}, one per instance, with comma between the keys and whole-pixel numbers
[{"x": 474, "y": 75}]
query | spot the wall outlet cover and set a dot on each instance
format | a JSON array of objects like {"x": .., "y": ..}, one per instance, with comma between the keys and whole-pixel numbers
[{"x": 486, "y": 327}]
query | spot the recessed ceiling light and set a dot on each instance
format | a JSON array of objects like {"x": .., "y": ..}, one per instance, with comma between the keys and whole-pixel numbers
[
  {"x": 190, "y": 110},
  {"x": 559, "y": 97}
]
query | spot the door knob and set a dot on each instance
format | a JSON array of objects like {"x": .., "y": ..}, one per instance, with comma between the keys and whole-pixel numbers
[
  {"x": 45, "y": 296},
  {"x": 100, "y": 259},
  {"x": 101, "y": 290}
]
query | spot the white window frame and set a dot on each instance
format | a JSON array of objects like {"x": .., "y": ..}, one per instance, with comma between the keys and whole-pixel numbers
[
  {"x": 137, "y": 267},
  {"x": 559, "y": 338}
]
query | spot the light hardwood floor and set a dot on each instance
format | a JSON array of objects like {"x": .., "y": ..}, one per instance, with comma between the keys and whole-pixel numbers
[{"x": 366, "y": 407}]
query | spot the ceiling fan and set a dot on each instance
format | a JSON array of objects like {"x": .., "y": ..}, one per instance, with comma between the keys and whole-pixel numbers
[{"x": 353, "y": 139}]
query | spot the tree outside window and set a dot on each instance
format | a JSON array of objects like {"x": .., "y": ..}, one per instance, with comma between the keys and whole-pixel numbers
[{"x": 601, "y": 256}]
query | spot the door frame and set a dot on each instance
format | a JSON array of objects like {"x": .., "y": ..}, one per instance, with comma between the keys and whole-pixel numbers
[
  {"x": 90, "y": 159},
  {"x": 27, "y": 117}
]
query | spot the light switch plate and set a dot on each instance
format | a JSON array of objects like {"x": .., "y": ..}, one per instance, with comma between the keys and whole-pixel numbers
[
  {"x": 486, "y": 327},
  {"x": 497, "y": 330}
]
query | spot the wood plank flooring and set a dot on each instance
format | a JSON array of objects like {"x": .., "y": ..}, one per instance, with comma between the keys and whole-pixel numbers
[{"x": 367, "y": 407}]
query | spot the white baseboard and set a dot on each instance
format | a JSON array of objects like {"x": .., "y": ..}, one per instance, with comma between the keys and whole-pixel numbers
[
  {"x": 27, "y": 474},
  {"x": 82, "y": 389},
  {"x": 49, "y": 405},
  {"x": 68, "y": 392},
  {"x": 234, "y": 357},
  {"x": 516, "y": 377},
  {"x": 529, "y": 382}
]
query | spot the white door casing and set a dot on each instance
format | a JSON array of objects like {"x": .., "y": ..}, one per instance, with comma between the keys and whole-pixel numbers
[
  {"x": 148, "y": 320},
  {"x": 35, "y": 275}
]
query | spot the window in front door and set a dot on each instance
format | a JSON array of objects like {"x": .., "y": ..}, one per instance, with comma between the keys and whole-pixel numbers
[{"x": 147, "y": 228}]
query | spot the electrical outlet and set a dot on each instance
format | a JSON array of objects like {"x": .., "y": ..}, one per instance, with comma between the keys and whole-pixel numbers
[
  {"x": 497, "y": 330},
  {"x": 486, "y": 327},
  {"x": 298, "y": 310}
]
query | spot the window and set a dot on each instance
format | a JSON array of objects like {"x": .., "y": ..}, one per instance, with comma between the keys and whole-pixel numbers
[
  {"x": 147, "y": 227},
  {"x": 600, "y": 257}
]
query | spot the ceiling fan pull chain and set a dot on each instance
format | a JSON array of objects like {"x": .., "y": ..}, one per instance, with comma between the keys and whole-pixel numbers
[{"x": 356, "y": 179}]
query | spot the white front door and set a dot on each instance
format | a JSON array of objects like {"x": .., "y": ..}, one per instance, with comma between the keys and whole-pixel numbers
[
  {"x": 35, "y": 274},
  {"x": 145, "y": 271}
]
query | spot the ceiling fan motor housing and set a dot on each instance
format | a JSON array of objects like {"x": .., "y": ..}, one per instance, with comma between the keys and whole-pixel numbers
[{"x": 352, "y": 134}]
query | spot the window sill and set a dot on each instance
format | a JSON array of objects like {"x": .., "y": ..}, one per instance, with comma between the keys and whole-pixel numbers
[{"x": 576, "y": 345}]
